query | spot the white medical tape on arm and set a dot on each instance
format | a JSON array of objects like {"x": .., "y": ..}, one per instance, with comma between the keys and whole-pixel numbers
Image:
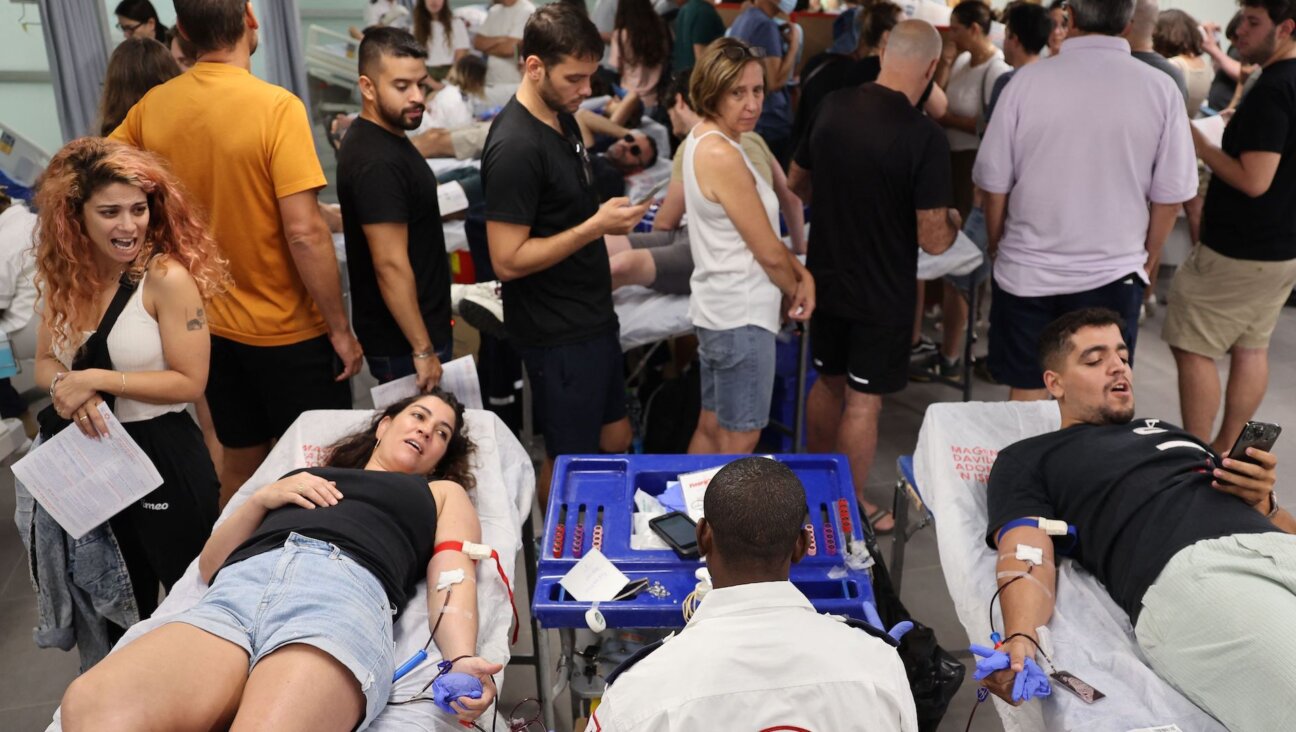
[
  {"x": 1027, "y": 575},
  {"x": 449, "y": 577}
]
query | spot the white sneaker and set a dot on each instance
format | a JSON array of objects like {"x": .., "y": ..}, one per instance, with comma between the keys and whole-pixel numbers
[
  {"x": 459, "y": 292},
  {"x": 483, "y": 309}
]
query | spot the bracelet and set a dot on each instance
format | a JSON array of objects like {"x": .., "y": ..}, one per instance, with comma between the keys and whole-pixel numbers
[
  {"x": 54, "y": 381},
  {"x": 429, "y": 353},
  {"x": 1273, "y": 501},
  {"x": 123, "y": 386}
]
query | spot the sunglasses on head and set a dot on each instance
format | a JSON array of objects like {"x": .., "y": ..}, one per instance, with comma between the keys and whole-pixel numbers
[
  {"x": 587, "y": 167},
  {"x": 738, "y": 53}
]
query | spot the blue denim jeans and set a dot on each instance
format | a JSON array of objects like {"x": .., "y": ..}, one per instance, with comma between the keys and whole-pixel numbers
[{"x": 390, "y": 368}]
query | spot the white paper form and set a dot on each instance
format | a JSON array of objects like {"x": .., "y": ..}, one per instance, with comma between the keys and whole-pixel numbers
[
  {"x": 459, "y": 377},
  {"x": 385, "y": 395},
  {"x": 83, "y": 482},
  {"x": 1212, "y": 128},
  {"x": 594, "y": 579}
]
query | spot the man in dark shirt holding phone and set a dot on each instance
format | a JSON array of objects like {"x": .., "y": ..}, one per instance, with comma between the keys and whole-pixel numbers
[
  {"x": 1190, "y": 545},
  {"x": 545, "y": 229}
]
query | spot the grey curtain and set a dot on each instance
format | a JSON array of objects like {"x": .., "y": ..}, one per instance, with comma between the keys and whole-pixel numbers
[
  {"x": 281, "y": 41},
  {"x": 78, "y": 56}
]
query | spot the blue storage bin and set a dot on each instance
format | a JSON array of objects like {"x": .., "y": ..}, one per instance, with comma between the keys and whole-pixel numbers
[{"x": 609, "y": 483}]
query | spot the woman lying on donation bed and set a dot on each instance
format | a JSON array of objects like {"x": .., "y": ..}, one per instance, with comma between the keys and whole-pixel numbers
[{"x": 306, "y": 579}]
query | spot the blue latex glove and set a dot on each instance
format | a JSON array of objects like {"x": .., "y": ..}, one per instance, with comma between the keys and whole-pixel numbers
[
  {"x": 872, "y": 618},
  {"x": 451, "y": 686},
  {"x": 1031, "y": 682}
]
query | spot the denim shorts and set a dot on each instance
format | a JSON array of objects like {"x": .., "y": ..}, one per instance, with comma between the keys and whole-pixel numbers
[
  {"x": 307, "y": 592},
  {"x": 737, "y": 375}
]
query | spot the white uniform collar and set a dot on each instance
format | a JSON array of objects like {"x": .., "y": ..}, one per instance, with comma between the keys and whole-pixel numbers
[{"x": 741, "y": 599}]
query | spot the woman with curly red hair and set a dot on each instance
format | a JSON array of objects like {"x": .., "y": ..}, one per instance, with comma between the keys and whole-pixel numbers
[{"x": 124, "y": 265}]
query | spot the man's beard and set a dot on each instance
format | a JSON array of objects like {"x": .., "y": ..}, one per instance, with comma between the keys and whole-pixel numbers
[
  {"x": 1114, "y": 415},
  {"x": 1264, "y": 51},
  {"x": 399, "y": 120},
  {"x": 550, "y": 97}
]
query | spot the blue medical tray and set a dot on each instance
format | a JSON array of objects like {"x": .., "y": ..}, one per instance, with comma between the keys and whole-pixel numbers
[{"x": 609, "y": 482}]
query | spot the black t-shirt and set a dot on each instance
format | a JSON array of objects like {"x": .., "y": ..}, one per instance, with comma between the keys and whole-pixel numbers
[
  {"x": 1136, "y": 493},
  {"x": 382, "y": 179},
  {"x": 874, "y": 160},
  {"x": 1262, "y": 228},
  {"x": 540, "y": 178},
  {"x": 385, "y": 521}
]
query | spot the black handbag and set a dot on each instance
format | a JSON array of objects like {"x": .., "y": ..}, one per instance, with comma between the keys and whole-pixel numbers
[{"x": 92, "y": 355}]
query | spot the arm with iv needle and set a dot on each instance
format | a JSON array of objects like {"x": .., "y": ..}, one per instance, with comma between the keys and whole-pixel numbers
[{"x": 1027, "y": 604}]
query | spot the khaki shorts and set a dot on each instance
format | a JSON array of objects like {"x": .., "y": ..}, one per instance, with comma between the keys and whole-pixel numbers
[
  {"x": 1217, "y": 302},
  {"x": 469, "y": 141}
]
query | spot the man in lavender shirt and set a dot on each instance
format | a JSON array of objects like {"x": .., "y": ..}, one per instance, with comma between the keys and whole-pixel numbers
[{"x": 1084, "y": 165}]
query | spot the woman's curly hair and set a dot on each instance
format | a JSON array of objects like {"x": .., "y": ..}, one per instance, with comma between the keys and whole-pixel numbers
[
  {"x": 67, "y": 277},
  {"x": 354, "y": 450}
]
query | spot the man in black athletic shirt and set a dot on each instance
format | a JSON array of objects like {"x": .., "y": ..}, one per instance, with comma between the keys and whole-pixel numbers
[{"x": 1189, "y": 544}]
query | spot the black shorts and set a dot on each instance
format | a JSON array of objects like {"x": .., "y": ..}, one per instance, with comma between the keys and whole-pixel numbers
[
  {"x": 255, "y": 392},
  {"x": 874, "y": 358},
  {"x": 1017, "y": 322},
  {"x": 575, "y": 390},
  {"x": 160, "y": 534}
]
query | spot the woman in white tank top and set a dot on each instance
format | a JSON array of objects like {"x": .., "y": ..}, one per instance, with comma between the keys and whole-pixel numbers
[
  {"x": 111, "y": 218},
  {"x": 741, "y": 269}
]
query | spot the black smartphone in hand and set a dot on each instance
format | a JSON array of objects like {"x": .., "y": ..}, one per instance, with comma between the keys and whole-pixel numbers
[{"x": 1260, "y": 435}]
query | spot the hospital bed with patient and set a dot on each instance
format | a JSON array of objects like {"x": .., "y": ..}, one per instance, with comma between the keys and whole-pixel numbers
[
  {"x": 503, "y": 499},
  {"x": 1089, "y": 634}
]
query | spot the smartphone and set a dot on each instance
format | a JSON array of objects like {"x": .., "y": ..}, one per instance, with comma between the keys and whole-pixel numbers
[
  {"x": 1260, "y": 435},
  {"x": 679, "y": 531},
  {"x": 651, "y": 194}
]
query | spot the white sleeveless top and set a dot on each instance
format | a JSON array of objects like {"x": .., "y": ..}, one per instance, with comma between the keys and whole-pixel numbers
[
  {"x": 136, "y": 345},
  {"x": 729, "y": 287}
]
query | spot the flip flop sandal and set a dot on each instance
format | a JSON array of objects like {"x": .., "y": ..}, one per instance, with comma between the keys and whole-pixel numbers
[{"x": 877, "y": 516}]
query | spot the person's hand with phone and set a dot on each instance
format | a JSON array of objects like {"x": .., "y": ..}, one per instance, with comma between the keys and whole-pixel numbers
[
  {"x": 801, "y": 304},
  {"x": 619, "y": 215},
  {"x": 1253, "y": 482}
]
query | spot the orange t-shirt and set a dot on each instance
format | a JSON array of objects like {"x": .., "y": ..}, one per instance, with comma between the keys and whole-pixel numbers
[{"x": 239, "y": 144}]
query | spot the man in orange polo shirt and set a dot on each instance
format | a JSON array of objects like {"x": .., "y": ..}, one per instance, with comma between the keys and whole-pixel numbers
[{"x": 281, "y": 342}]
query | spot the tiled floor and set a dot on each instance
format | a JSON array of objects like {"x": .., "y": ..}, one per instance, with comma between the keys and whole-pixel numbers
[{"x": 32, "y": 680}]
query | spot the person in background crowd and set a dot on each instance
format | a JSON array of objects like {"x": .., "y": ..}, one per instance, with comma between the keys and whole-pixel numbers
[
  {"x": 696, "y": 25},
  {"x": 756, "y": 27},
  {"x": 1228, "y": 69},
  {"x": 545, "y": 229},
  {"x": 1226, "y": 298},
  {"x": 639, "y": 50},
  {"x": 1026, "y": 33},
  {"x": 968, "y": 80},
  {"x": 1061, "y": 26},
  {"x": 281, "y": 341},
  {"x": 115, "y": 222},
  {"x": 396, "y": 254},
  {"x": 879, "y": 172},
  {"x": 1053, "y": 254},
  {"x": 461, "y": 98},
  {"x": 383, "y": 13},
  {"x": 443, "y": 35},
  {"x": 499, "y": 37},
  {"x": 139, "y": 19},
  {"x": 17, "y": 296},
  {"x": 742, "y": 272},
  {"x": 136, "y": 66},
  {"x": 1178, "y": 37},
  {"x": 183, "y": 52},
  {"x": 1140, "y": 33}
]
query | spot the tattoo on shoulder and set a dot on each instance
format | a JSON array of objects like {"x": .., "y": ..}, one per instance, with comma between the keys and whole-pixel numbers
[{"x": 198, "y": 321}]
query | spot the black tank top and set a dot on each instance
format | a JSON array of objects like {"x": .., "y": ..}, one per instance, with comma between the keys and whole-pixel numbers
[{"x": 385, "y": 521}]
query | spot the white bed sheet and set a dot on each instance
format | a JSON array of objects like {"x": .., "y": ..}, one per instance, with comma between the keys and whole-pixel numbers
[
  {"x": 503, "y": 497},
  {"x": 1092, "y": 636}
]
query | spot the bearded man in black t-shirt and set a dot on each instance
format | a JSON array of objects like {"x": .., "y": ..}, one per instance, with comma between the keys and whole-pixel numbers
[{"x": 1190, "y": 545}]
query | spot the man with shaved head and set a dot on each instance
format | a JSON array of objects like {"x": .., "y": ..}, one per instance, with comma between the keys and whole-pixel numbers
[
  {"x": 880, "y": 173},
  {"x": 755, "y": 654},
  {"x": 1139, "y": 34}
]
